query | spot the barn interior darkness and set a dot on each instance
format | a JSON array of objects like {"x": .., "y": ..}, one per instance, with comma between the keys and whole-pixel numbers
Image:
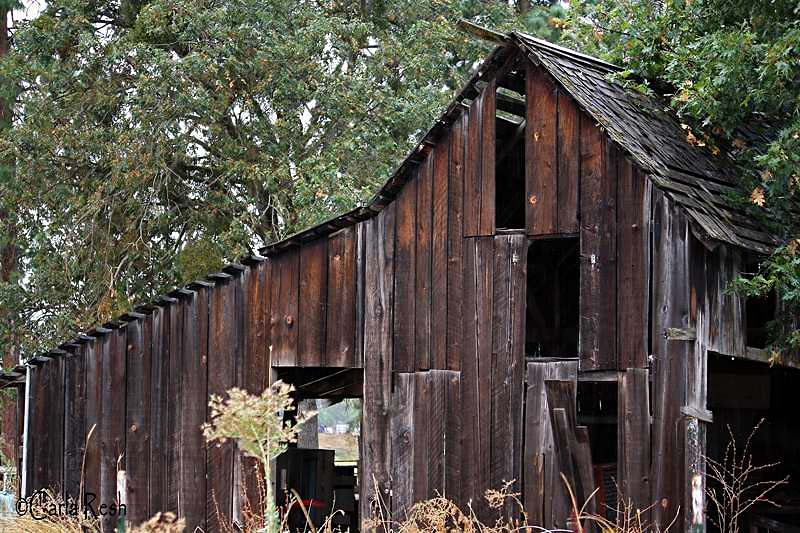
[
  {"x": 552, "y": 298},
  {"x": 597, "y": 410},
  {"x": 510, "y": 151},
  {"x": 320, "y": 475},
  {"x": 742, "y": 394}
]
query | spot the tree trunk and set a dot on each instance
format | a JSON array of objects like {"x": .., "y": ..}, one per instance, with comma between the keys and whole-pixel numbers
[
  {"x": 8, "y": 264},
  {"x": 308, "y": 437}
]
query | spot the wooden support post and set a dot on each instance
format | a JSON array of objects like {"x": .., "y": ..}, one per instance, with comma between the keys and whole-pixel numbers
[
  {"x": 670, "y": 309},
  {"x": 376, "y": 446}
]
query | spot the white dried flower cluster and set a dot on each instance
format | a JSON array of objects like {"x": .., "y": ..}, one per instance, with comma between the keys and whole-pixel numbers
[{"x": 254, "y": 421}]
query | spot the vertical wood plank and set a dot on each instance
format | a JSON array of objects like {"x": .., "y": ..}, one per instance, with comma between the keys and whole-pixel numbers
[
  {"x": 453, "y": 438},
  {"x": 500, "y": 423},
  {"x": 476, "y": 365},
  {"x": 137, "y": 444},
  {"x": 238, "y": 324},
  {"x": 568, "y": 162},
  {"x": 631, "y": 262},
  {"x": 112, "y": 444},
  {"x": 256, "y": 365},
  {"x": 405, "y": 277},
  {"x": 696, "y": 390},
  {"x": 402, "y": 438},
  {"x": 194, "y": 399},
  {"x": 34, "y": 469},
  {"x": 439, "y": 252},
  {"x": 158, "y": 383},
  {"x": 585, "y": 469},
  {"x": 633, "y": 439},
  {"x": 75, "y": 419},
  {"x": 342, "y": 298},
  {"x": 422, "y": 414},
  {"x": 56, "y": 425},
  {"x": 311, "y": 316},
  {"x": 598, "y": 250},
  {"x": 358, "y": 360},
  {"x": 273, "y": 305},
  {"x": 472, "y": 169},
  {"x": 569, "y": 454},
  {"x": 378, "y": 304},
  {"x": 564, "y": 451},
  {"x": 455, "y": 225},
  {"x": 507, "y": 359},
  {"x": 172, "y": 407},
  {"x": 695, "y": 469},
  {"x": 541, "y": 187},
  {"x": 488, "y": 154},
  {"x": 29, "y": 441},
  {"x": 437, "y": 428},
  {"x": 284, "y": 322},
  {"x": 37, "y": 430},
  {"x": 221, "y": 376},
  {"x": 422, "y": 308},
  {"x": 537, "y": 436}
]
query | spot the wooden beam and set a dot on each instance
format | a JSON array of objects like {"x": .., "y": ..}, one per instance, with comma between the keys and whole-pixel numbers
[{"x": 480, "y": 32}]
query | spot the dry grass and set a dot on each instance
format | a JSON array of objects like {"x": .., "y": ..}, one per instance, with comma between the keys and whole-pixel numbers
[
  {"x": 49, "y": 513},
  {"x": 345, "y": 445},
  {"x": 740, "y": 484},
  {"x": 436, "y": 515}
]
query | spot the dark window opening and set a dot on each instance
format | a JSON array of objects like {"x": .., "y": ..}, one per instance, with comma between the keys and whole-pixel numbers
[
  {"x": 510, "y": 151},
  {"x": 745, "y": 394},
  {"x": 760, "y": 313},
  {"x": 597, "y": 410},
  {"x": 553, "y": 288}
]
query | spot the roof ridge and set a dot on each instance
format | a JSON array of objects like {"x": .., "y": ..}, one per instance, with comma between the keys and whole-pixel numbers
[{"x": 570, "y": 52}]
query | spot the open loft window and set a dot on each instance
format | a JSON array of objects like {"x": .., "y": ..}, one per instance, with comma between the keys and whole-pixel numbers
[
  {"x": 510, "y": 150},
  {"x": 553, "y": 288},
  {"x": 760, "y": 312}
]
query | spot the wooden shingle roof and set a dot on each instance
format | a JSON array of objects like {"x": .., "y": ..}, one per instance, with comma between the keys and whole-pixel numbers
[{"x": 644, "y": 127}]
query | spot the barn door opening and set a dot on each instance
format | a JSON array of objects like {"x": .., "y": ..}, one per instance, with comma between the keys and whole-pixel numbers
[
  {"x": 742, "y": 395},
  {"x": 323, "y": 465},
  {"x": 597, "y": 411}
]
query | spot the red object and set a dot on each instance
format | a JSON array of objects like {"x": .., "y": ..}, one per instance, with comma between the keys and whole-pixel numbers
[{"x": 311, "y": 504}]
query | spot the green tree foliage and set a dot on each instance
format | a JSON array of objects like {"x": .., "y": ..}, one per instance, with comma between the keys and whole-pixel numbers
[
  {"x": 731, "y": 69},
  {"x": 347, "y": 412},
  {"x": 154, "y": 139}
]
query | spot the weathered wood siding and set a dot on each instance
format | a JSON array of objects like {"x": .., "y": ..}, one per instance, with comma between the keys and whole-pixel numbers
[
  {"x": 573, "y": 172},
  {"x": 428, "y": 298}
]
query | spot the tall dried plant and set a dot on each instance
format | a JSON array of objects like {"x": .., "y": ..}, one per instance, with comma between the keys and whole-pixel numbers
[
  {"x": 737, "y": 490},
  {"x": 253, "y": 422}
]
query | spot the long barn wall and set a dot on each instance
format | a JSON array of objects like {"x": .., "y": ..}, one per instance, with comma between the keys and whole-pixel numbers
[{"x": 132, "y": 396}]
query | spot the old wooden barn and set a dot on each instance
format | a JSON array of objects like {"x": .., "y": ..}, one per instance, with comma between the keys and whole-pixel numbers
[{"x": 540, "y": 288}]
